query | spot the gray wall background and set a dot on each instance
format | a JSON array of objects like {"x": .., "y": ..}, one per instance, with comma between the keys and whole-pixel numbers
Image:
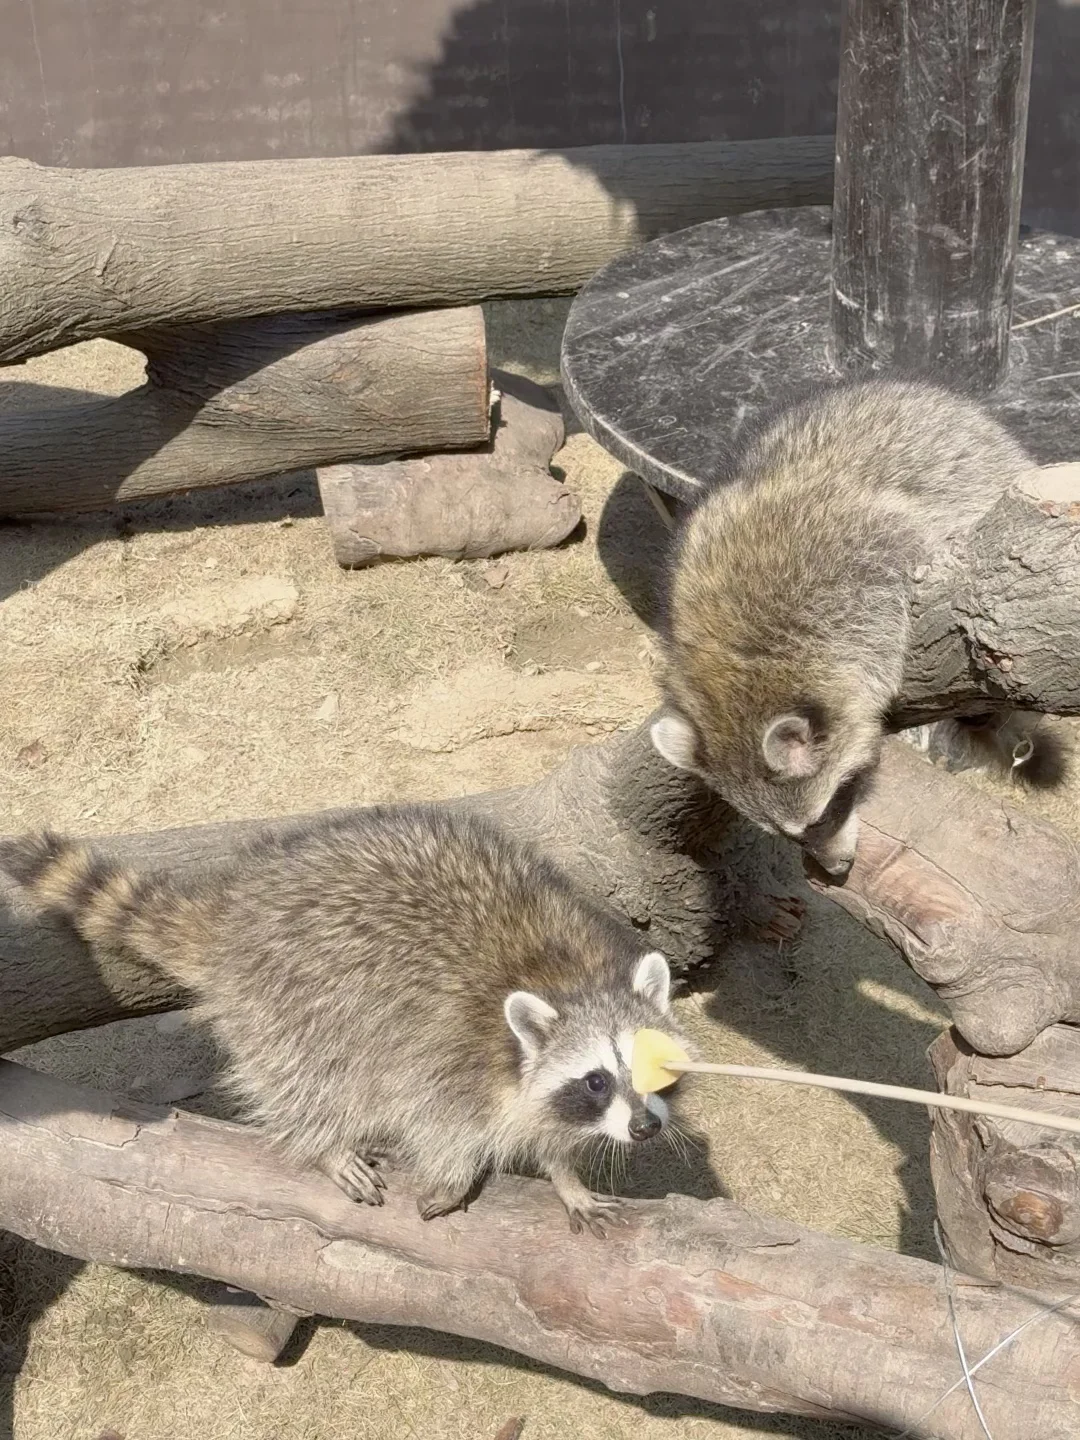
[{"x": 144, "y": 82}]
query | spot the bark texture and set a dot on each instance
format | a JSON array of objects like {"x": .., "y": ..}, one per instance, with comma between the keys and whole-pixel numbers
[
  {"x": 106, "y": 252},
  {"x": 696, "y": 1298},
  {"x": 241, "y": 400},
  {"x": 996, "y": 620},
  {"x": 464, "y": 506},
  {"x": 243, "y": 1321},
  {"x": 1008, "y": 1195},
  {"x": 981, "y": 898}
]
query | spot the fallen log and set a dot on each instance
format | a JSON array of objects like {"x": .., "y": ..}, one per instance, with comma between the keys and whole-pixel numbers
[
  {"x": 107, "y": 252},
  {"x": 464, "y": 506},
  {"x": 1008, "y": 1195},
  {"x": 243, "y": 1321},
  {"x": 691, "y": 1297},
  {"x": 980, "y": 897},
  {"x": 238, "y": 401},
  {"x": 646, "y": 839}
]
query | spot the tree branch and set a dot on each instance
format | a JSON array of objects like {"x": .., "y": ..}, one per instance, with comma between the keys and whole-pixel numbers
[
  {"x": 996, "y": 621},
  {"x": 628, "y": 828},
  {"x": 980, "y": 898}
]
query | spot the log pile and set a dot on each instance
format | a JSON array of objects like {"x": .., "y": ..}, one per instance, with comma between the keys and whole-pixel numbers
[{"x": 313, "y": 313}]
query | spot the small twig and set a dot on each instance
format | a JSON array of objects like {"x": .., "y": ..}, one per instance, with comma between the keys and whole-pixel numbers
[
  {"x": 1052, "y": 315},
  {"x": 886, "y": 1092}
]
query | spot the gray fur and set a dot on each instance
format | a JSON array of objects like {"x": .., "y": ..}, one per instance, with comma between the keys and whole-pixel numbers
[
  {"x": 789, "y": 599},
  {"x": 358, "y": 974}
]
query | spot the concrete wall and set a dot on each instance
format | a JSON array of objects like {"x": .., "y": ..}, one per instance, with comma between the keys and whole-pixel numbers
[{"x": 134, "y": 82}]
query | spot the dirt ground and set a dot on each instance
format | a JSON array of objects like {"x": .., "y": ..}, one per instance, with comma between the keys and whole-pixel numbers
[{"x": 204, "y": 658}]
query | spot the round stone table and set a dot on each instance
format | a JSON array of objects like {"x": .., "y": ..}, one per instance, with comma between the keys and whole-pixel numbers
[{"x": 671, "y": 347}]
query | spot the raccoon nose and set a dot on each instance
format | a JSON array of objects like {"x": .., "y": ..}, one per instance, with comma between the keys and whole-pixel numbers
[{"x": 641, "y": 1127}]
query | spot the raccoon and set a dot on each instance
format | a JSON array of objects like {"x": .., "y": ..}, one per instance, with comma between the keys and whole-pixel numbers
[
  {"x": 788, "y": 604},
  {"x": 401, "y": 982}
]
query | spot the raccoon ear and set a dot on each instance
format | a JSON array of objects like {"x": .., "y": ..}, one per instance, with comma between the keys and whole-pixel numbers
[
  {"x": 652, "y": 980},
  {"x": 675, "y": 739},
  {"x": 529, "y": 1018},
  {"x": 788, "y": 747}
]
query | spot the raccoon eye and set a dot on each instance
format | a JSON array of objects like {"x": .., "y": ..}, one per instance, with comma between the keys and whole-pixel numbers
[{"x": 596, "y": 1081}]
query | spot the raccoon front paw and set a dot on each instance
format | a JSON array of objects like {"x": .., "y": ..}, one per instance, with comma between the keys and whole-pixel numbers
[
  {"x": 358, "y": 1177},
  {"x": 586, "y": 1210},
  {"x": 434, "y": 1203},
  {"x": 595, "y": 1213},
  {"x": 777, "y": 918}
]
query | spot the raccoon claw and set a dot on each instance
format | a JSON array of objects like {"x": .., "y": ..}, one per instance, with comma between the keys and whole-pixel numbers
[
  {"x": 434, "y": 1203},
  {"x": 778, "y": 918},
  {"x": 357, "y": 1176},
  {"x": 594, "y": 1215}
]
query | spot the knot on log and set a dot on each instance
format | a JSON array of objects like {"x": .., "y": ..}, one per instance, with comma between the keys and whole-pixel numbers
[{"x": 1034, "y": 1193}]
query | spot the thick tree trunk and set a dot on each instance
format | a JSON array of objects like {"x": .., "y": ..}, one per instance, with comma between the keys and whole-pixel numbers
[
  {"x": 250, "y": 398},
  {"x": 104, "y": 252},
  {"x": 696, "y": 1298},
  {"x": 243, "y": 1321},
  {"x": 981, "y": 899},
  {"x": 929, "y": 160},
  {"x": 1008, "y": 1195},
  {"x": 479, "y": 502}
]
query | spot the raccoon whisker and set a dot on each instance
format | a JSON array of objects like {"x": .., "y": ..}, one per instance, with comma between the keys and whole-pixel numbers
[
  {"x": 680, "y": 1141},
  {"x": 675, "y": 1142},
  {"x": 671, "y": 1140},
  {"x": 620, "y": 1164},
  {"x": 609, "y": 1166}
]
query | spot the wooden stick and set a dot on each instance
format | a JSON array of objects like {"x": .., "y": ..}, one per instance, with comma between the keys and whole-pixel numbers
[{"x": 871, "y": 1087}]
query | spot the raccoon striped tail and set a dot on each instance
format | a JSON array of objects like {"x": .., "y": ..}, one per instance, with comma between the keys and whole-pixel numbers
[
  {"x": 107, "y": 904},
  {"x": 1014, "y": 744}
]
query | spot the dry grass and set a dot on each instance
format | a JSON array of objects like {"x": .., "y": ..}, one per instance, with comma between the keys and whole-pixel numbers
[{"x": 175, "y": 663}]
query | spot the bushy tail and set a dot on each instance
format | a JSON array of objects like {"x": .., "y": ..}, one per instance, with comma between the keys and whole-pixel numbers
[
  {"x": 108, "y": 904},
  {"x": 1015, "y": 744}
]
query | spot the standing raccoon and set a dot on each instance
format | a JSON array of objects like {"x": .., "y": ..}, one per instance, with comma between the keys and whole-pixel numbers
[
  {"x": 399, "y": 982},
  {"x": 788, "y": 616}
]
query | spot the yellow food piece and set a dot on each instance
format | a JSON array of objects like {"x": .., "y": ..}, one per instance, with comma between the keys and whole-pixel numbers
[{"x": 652, "y": 1051}]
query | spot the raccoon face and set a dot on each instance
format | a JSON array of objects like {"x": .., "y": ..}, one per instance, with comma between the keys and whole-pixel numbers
[
  {"x": 576, "y": 1058},
  {"x": 792, "y": 774}
]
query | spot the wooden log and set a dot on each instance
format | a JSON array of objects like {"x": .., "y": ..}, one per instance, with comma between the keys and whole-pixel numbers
[
  {"x": 930, "y": 128},
  {"x": 691, "y": 1297},
  {"x": 250, "y": 398},
  {"x": 105, "y": 252},
  {"x": 996, "y": 619},
  {"x": 482, "y": 502},
  {"x": 1008, "y": 1195},
  {"x": 249, "y": 1325},
  {"x": 980, "y": 897}
]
